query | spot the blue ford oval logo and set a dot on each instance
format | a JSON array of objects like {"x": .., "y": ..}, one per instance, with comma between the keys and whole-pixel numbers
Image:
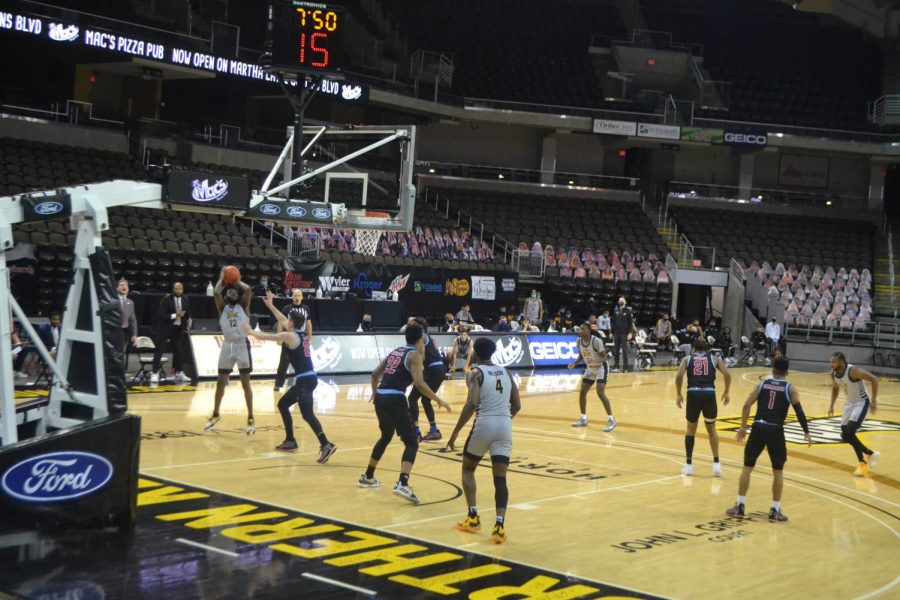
[
  {"x": 297, "y": 211},
  {"x": 270, "y": 209},
  {"x": 56, "y": 476},
  {"x": 321, "y": 213},
  {"x": 48, "y": 208}
]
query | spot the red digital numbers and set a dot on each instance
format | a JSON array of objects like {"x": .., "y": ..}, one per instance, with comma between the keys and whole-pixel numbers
[{"x": 318, "y": 40}]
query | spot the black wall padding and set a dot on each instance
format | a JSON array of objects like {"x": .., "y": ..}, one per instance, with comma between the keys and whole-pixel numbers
[{"x": 111, "y": 324}]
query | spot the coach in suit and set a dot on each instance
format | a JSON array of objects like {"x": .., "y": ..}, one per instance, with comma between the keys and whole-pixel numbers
[
  {"x": 129, "y": 321},
  {"x": 173, "y": 324}
]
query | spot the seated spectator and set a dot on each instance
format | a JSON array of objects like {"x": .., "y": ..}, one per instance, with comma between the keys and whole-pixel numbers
[
  {"x": 526, "y": 325},
  {"x": 662, "y": 277},
  {"x": 649, "y": 277},
  {"x": 846, "y": 322},
  {"x": 502, "y": 324},
  {"x": 580, "y": 273},
  {"x": 366, "y": 325}
]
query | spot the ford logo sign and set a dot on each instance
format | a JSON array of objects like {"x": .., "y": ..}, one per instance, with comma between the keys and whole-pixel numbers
[
  {"x": 56, "y": 476},
  {"x": 321, "y": 213},
  {"x": 297, "y": 211},
  {"x": 48, "y": 208},
  {"x": 270, "y": 209}
]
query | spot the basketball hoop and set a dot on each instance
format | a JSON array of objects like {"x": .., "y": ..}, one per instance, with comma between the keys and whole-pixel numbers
[{"x": 367, "y": 239}]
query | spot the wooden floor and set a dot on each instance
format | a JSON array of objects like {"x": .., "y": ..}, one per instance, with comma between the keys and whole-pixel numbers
[{"x": 587, "y": 508}]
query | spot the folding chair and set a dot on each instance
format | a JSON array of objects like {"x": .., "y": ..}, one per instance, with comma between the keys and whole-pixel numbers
[
  {"x": 679, "y": 350},
  {"x": 646, "y": 350},
  {"x": 145, "y": 348},
  {"x": 750, "y": 355}
]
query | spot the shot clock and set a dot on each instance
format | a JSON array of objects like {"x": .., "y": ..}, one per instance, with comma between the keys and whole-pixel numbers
[{"x": 305, "y": 36}]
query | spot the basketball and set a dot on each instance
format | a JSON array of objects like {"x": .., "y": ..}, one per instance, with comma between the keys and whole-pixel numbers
[{"x": 231, "y": 275}]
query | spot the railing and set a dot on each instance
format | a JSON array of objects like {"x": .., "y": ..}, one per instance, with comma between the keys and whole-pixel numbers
[
  {"x": 502, "y": 249},
  {"x": 562, "y": 110},
  {"x": 645, "y": 38},
  {"x": 780, "y": 131},
  {"x": 886, "y": 110},
  {"x": 568, "y": 180},
  {"x": 737, "y": 271},
  {"x": 75, "y": 112},
  {"x": 755, "y": 195},
  {"x": 835, "y": 335},
  {"x": 671, "y": 268}
]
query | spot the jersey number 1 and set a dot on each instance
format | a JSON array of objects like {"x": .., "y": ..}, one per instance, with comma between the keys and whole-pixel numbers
[{"x": 771, "y": 399}]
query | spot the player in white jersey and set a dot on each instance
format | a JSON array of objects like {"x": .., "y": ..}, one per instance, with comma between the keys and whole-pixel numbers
[
  {"x": 534, "y": 308},
  {"x": 858, "y": 402},
  {"x": 494, "y": 398},
  {"x": 593, "y": 352},
  {"x": 233, "y": 305}
]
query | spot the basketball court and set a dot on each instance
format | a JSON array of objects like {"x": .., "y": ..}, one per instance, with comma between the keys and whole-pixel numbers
[{"x": 591, "y": 514}]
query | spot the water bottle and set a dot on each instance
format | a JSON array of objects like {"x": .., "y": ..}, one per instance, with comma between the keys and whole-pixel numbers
[
  {"x": 319, "y": 293},
  {"x": 395, "y": 296},
  {"x": 210, "y": 290}
]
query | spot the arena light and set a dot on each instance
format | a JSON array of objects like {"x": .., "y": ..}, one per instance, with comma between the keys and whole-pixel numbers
[
  {"x": 571, "y": 182},
  {"x": 431, "y": 170},
  {"x": 828, "y": 203},
  {"x": 500, "y": 176}
]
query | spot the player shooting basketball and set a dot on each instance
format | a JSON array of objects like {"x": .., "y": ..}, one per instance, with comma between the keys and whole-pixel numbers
[{"x": 232, "y": 298}]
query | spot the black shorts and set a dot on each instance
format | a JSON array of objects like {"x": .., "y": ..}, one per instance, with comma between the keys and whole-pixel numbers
[
  {"x": 393, "y": 414},
  {"x": 770, "y": 437},
  {"x": 434, "y": 376},
  {"x": 701, "y": 402}
]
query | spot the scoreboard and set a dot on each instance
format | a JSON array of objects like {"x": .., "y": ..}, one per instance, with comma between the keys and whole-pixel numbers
[{"x": 305, "y": 36}]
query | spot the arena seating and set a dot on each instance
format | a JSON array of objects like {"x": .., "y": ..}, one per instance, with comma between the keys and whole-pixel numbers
[
  {"x": 785, "y": 66},
  {"x": 817, "y": 297},
  {"x": 520, "y": 50},
  {"x": 790, "y": 239}
]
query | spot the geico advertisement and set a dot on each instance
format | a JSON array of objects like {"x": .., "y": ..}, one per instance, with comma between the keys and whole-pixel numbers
[{"x": 553, "y": 350}]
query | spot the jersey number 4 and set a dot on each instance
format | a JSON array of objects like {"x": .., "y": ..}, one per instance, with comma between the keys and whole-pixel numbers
[{"x": 499, "y": 386}]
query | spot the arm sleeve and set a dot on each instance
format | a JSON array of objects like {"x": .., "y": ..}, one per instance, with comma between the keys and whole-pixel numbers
[{"x": 801, "y": 417}]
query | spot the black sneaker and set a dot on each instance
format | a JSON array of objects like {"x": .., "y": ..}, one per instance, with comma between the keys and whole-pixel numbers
[
  {"x": 735, "y": 511},
  {"x": 432, "y": 436},
  {"x": 325, "y": 453},
  {"x": 776, "y": 516},
  {"x": 287, "y": 446}
]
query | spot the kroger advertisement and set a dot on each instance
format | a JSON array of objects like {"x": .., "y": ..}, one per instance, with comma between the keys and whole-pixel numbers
[{"x": 361, "y": 353}]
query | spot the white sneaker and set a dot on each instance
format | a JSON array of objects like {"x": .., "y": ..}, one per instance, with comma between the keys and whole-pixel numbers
[
  {"x": 21, "y": 375},
  {"x": 581, "y": 422},
  {"x": 687, "y": 470},
  {"x": 873, "y": 459},
  {"x": 154, "y": 378},
  {"x": 610, "y": 424},
  {"x": 717, "y": 469},
  {"x": 180, "y": 376},
  {"x": 405, "y": 492}
]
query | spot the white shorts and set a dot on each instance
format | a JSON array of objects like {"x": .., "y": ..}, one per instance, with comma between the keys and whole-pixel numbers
[
  {"x": 599, "y": 373},
  {"x": 490, "y": 433},
  {"x": 235, "y": 352},
  {"x": 854, "y": 412}
]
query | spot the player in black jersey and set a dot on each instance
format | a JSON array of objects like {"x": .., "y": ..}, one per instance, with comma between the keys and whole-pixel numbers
[
  {"x": 434, "y": 372},
  {"x": 462, "y": 349},
  {"x": 304, "y": 323},
  {"x": 296, "y": 343},
  {"x": 396, "y": 372},
  {"x": 772, "y": 399},
  {"x": 701, "y": 367}
]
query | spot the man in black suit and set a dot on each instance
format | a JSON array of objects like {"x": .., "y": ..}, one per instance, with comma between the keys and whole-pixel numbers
[
  {"x": 173, "y": 324},
  {"x": 129, "y": 321},
  {"x": 623, "y": 329},
  {"x": 49, "y": 334}
]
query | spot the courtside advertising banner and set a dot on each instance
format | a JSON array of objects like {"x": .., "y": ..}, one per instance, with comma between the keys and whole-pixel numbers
[{"x": 553, "y": 350}]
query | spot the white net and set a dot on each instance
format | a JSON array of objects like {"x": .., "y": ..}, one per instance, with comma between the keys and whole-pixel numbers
[{"x": 367, "y": 241}]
